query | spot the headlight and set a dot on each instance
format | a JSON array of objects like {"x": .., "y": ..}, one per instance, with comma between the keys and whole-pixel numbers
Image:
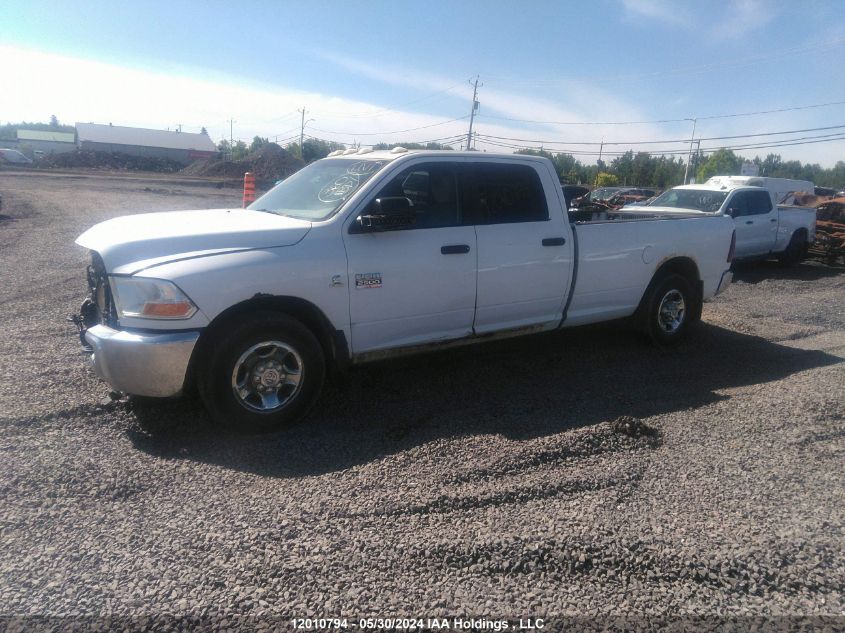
[{"x": 143, "y": 298}]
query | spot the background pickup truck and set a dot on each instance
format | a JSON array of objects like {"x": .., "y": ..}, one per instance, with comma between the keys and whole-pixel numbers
[
  {"x": 763, "y": 227},
  {"x": 365, "y": 255}
]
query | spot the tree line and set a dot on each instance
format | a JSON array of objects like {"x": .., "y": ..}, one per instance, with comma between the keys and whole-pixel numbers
[
  {"x": 630, "y": 168},
  {"x": 663, "y": 172},
  {"x": 9, "y": 131}
]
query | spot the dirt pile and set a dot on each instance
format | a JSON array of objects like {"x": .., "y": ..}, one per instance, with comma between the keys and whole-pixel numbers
[
  {"x": 108, "y": 160},
  {"x": 269, "y": 163}
]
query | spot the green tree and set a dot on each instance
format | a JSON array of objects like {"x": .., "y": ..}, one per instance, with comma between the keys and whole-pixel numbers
[
  {"x": 605, "y": 179},
  {"x": 258, "y": 143},
  {"x": 239, "y": 150},
  {"x": 9, "y": 131},
  {"x": 234, "y": 152},
  {"x": 54, "y": 121},
  {"x": 722, "y": 162},
  {"x": 385, "y": 146},
  {"x": 204, "y": 131},
  {"x": 314, "y": 149}
]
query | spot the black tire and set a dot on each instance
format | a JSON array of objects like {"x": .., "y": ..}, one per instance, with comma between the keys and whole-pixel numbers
[
  {"x": 270, "y": 351},
  {"x": 660, "y": 301},
  {"x": 795, "y": 250}
]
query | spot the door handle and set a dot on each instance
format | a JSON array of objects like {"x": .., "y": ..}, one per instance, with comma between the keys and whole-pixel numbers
[
  {"x": 773, "y": 220},
  {"x": 554, "y": 241},
  {"x": 454, "y": 249},
  {"x": 749, "y": 221}
]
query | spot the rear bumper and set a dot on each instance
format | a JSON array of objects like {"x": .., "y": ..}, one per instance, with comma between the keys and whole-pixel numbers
[
  {"x": 141, "y": 364},
  {"x": 727, "y": 278}
]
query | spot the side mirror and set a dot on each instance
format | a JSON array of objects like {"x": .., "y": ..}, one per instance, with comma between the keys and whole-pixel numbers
[
  {"x": 388, "y": 213},
  {"x": 733, "y": 212}
]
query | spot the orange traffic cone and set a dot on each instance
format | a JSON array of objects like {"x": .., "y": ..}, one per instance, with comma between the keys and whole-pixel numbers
[{"x": 249, "y": 188}]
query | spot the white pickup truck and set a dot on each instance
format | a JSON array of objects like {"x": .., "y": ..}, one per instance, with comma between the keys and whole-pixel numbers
[
  {"x": 364, "y": 255},
  {"x": 765, "y": 227}
]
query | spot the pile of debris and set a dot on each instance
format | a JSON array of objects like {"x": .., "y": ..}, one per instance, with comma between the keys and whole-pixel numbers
[
  {"x": 830, "y": 230},
  {"x": 270, "y": 163},
  {"x": 108, "y": 160}
]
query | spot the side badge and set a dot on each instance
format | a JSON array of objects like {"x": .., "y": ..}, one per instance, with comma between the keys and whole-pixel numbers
[{"x": 368, "y": 280}]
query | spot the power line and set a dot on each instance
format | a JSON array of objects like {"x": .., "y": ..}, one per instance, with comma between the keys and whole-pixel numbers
[
  {"x": 683, "y": 140},
  {"x": 413, "y": 129},
  {"x": 393, "y": 108},
  {"x": 700, "y": 118},
  {"x": 445, "y": 140},
  {"x": 803, "y": 140},
  {"x": 293, "y": 129}
]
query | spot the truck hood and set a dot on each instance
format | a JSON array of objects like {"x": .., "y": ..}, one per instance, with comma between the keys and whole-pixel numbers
[{"x": 131, "y": 243}]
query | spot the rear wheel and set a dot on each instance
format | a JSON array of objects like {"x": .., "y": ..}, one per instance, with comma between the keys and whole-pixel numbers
[
  {"x": 795, "y": 250},
  {"x": 668, "y": 309},
  {"x": 262, "y": 374}
]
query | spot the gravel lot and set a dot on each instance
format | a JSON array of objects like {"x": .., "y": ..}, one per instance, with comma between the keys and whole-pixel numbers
[{"x": 582, "y": 473}]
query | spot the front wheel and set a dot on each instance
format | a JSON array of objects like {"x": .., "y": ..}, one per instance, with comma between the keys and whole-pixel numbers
[
  {"x": 668, "y": 310},
  {"x": 262, "y": 374}
]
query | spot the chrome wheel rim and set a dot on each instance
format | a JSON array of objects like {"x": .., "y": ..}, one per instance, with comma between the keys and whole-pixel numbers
[
  {"x": 670, "y": 315},
  {"x": 267, "y": 376}
]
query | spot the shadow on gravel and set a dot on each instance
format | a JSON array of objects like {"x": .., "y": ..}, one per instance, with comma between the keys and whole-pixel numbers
[
  {"x": 808, "y": 270},
  {"x": 521, "y": 388}
]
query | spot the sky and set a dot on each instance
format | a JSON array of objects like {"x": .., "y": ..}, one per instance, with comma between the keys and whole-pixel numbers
[{"x": 562, "y": 75}]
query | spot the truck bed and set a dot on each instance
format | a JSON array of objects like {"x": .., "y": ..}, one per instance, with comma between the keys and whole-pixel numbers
[{"x": 617, "y": 255}]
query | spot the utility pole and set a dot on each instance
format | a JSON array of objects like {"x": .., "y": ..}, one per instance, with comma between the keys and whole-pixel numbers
[
  {"x": 302, "y": 131},
  {"x": 178, "y": 127},
  {"x": 472, "y": 111},
  {"x": 691, "y": 141},
  {"x": 231, "y": 138},
  {"x": 598, "y": 162},
  {"x": 697, "y": 153}
]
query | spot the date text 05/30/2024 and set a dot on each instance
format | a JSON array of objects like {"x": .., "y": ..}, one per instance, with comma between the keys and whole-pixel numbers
[{"x": 412, "y": 624}]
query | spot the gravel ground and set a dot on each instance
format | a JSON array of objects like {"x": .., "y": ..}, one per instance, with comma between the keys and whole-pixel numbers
[{"x": 582, "y": 473}]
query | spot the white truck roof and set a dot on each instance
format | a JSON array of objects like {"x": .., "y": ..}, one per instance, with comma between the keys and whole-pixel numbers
[
  {"x": 386, "y": 154},
  {"x": 782, "y": 189}
]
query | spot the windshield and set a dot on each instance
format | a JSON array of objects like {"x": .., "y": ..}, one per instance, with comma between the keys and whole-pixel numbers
[
  {"x": 696, "y": 199},
  {"x": 603, "y": 193},
  {"x": 317, "y": 191}
]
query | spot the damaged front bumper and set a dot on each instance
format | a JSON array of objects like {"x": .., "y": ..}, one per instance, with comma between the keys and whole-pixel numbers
[{"x": 144, "y": 364}]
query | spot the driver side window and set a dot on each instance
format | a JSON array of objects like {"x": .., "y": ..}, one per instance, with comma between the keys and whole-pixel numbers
[
  {"x": 739, "y": 205},
  {"x": 432, "y": 189}
]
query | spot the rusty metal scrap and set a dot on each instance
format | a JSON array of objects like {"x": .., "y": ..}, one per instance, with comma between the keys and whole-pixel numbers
[{"x": 830, "y": 229}]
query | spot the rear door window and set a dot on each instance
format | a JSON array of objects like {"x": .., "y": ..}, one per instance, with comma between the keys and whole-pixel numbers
[
  {"x": 501, "y": 193},
  {"x": 758, "y": 202}
]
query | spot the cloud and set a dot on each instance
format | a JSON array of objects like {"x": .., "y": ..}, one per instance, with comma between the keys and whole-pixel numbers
[
  {"x": 663, "y": 10},
  {"x": 76, "y": 89},
  {"x": 579, "y": 103},
  {"x": 743, "y": 16}
]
